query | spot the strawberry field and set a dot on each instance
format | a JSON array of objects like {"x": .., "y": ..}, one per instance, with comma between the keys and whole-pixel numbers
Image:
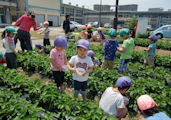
[{"x": 24, "y": 98}]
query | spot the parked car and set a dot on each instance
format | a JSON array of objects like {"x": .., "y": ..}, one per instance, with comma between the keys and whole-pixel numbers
[
  {"x": 163, "y": 32},
  {"x": 107, "y": 25},
  {"x": 149, "y": 27},
  {"x": 95, "y": 24},
  {"x": 75, "y": 25}
]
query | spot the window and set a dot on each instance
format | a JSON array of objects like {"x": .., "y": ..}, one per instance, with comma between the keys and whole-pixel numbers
[
  {"x": 79, "y": 13},
  {"x": 70, "y": 11},
  {"x": 62, "y": 10},
  {"x": 79, "y": 20}
]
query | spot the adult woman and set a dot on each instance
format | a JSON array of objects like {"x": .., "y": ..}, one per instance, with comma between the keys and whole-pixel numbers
[{"x": 25, "y": 22}]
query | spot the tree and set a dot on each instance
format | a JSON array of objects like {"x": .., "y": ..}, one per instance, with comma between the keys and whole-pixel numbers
[{"x": 132, "y": 22}]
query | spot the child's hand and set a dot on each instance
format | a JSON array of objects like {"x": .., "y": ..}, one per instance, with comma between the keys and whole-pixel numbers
[
  {"x": 16, "y": 53},
  {"x": 85, "y": 73},
  {"x": 74, "y": 71}
]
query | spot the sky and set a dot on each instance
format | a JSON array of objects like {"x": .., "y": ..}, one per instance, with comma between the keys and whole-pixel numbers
[{"x": 143, "y": 5}]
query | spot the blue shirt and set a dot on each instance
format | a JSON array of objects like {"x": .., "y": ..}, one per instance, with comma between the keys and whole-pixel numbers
[
  {"x": 110, "y": 48},
  {"x": 153, "y": 50},
  {"x": 102, "y": 35},
  {"x": 158, "y": 116}
]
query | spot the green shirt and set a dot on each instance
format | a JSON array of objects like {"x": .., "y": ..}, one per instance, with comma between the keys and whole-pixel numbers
[{"x": 129, "y": 45}]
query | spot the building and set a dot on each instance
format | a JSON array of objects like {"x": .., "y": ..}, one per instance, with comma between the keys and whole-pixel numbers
[
  {"x": 103, "y": 7},
  {"x": 131, "y": 7},
  {"x": 10, "y": 10},
  {"x": 155, "y": 19},
  {"x": 76, "y": 13},
  {"x": 155, "y": 9}
]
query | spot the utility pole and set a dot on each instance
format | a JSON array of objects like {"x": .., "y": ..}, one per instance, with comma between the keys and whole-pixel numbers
[
  {"x": 116, "y": 15},
  {"x": 100, "y": 13}
]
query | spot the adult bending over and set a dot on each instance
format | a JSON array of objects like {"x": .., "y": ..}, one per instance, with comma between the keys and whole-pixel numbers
[{"x": 25, "y": 22}]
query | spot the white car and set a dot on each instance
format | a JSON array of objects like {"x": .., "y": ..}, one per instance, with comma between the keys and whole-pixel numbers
[
  {"x": 107, "y": 25},
  {"x": 75, "y": 25}
]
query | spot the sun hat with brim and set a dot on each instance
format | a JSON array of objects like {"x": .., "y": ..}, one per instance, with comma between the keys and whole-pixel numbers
[
  {"x": 99, "y": 29},
  {"x": 124, "y": 31},
  {"x": 154, "y": 38},
  {"x": 112, "y": 32},
  {"x": 145, "y": 102},
  {"x": 90, "y": 53},
  {"x": 61, "y": 42},
  {"x": 10, "y": 29},
  {"x": 46, "y": 23},
  {"x": 89, "y": 26},
  {"x": 83, "y": 43},
  {"x": 37, "y": 45},
  {"x": 83, "y": 27},
  {"x": 123, "y": 82}
]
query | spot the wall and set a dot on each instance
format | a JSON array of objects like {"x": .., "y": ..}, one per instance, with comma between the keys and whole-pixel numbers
[{"x": 51, "y": 4}]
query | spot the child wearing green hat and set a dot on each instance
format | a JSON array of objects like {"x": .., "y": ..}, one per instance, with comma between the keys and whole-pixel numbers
[
  {"x": 126, "y": 49},
  {"x": 110, "y": 47},
  {"x": 8, "y": 44}
]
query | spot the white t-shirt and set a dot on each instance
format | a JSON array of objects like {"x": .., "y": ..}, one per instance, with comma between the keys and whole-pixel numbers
[
  {"x": 110, "y": 101},
  {"x": 81, "y": 63}
]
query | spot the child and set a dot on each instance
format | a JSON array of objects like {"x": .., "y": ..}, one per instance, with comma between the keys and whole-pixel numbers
[
  {"x": 8, "y": 44},
  {"x": 42, "y": 49},
  {"x": 94, "y": 59},
  {"x": 112, "y": 101},
  {"x": 110, "y": 48},
  {"x": 126, "y": 49},
  {"x": 149, "y": 108},
  {"x": 94, "y": 36},
  {"x": 46, "y": 34},
  {"x": 101, "y": 36},
  {"x": 89, "y": 31},
  {"x": 83, "y": 65},
  {"x": 83, "y": 32},
  {"x": 58, "y": 59},
  {"x": 76, "y": 36},
  {"x": 151, "y": 51}
]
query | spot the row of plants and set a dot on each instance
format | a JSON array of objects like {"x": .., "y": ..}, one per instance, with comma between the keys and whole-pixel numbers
[
  {"x": 46, "y": 97},
  {"x": 145, "y": 79},
  {"x": 13, "y": 107},
  {"x": 161, "y": 44}
]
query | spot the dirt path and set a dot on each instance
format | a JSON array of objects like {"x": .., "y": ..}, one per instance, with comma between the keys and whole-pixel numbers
[{"x": 139, "y": 48}]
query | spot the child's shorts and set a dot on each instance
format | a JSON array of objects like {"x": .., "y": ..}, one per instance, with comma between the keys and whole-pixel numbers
[
  {"x": 80, "y": 87},
  {"x": 149, "y": 60},
  {"x": 107, "y": 64}
]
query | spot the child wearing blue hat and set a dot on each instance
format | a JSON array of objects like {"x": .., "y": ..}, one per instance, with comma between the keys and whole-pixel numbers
[
  {"x": 58, "y": 60},
  {"x": 110, "y": 48},
  {"x": 8, "y": 44},
  {"x": 94, "y": 59},
  {"x": 126, "y": 49},
  {"x": 151, "y": 51},
  {"x": 113, "y": 102},
  {"x": 81, "y": 65}
]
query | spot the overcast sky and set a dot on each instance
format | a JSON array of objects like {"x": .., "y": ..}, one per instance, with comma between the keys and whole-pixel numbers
[{"x": 143, "y": 5}]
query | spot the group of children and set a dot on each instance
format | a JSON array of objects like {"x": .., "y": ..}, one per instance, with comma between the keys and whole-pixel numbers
[
  {"x": 90, "y": 35},
  {"x": 82, "y": 64}
]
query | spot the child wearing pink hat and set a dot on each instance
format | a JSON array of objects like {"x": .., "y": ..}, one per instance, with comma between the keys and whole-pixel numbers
[
  {"x": 101, "y": 36},
  {"x": 151, "y": 51},
  {"x": 58, "y": 60},
  {"x": 113, "y": 102},
  {"x": 149, "y": 108},
  {"x": 89, "y": 32},
  {"x": 84, "y": 32},
  {"x": 46, "y": 31},
  {"x": 81, "y": 65}
]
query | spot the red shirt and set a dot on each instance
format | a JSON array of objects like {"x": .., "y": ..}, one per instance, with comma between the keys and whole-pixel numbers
[{"x": 26, "y": 22}]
